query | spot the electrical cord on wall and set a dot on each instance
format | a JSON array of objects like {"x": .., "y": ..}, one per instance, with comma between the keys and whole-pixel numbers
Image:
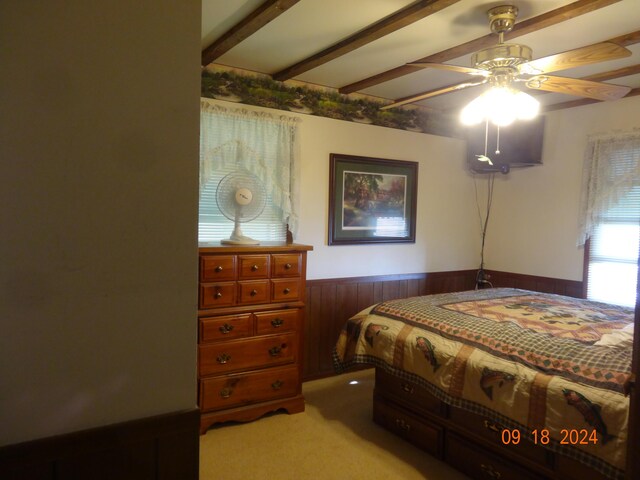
[{"x": 482, "y": 278}]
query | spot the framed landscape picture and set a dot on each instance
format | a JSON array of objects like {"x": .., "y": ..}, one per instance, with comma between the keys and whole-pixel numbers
[{"x": 371, "y": 200}]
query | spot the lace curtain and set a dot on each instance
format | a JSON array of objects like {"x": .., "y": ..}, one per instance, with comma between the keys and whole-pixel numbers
[
  {"x": 264, "y": 144},
  {"x": 611, "y": 170}
]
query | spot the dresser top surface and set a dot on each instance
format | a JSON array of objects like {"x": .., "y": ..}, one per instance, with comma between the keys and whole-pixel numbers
[{"x": 216, "y": 247}]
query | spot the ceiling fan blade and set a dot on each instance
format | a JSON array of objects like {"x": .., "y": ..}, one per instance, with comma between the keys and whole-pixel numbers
[
  {"x": 578, "y": 87},
  {"x": 432, "y": 93},
  {"x": 453, "y": 68},
  {"x": 599, "y": 52}
]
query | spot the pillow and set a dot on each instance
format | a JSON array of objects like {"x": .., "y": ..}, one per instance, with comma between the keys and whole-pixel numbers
[{"x": 618, "y": 338}]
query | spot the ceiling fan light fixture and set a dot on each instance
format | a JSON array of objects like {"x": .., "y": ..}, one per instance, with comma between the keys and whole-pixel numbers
[
  {"x": 526, "y": 106},
  {"x": 474, "y": 112},
  {"x": 503, "y": 64},
  {"x": 502, "y": 105}
]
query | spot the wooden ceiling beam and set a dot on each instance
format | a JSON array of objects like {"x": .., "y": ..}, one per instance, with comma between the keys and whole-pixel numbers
[
  {"x": 249, "y": 25},
  {"x": 431, "y": 93},
  {"x": 611, "y": 74},
  {"x": 525, "y": 27},
  {"x": 582, "y": 101},
  {"x": 400, "y": 19},
  {"x": 626, "y": 40}
]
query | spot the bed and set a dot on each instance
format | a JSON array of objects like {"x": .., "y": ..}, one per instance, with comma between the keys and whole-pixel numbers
[{"x": 501, "y": 383}]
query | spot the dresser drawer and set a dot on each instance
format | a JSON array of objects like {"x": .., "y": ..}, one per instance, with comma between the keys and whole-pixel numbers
[
  {"x": 491, "y": 431},
  {"x": 214, "y": 329},
  {"x": 278, "y": 321},
  {"x": 215, "y": 268},
  {"x": 404, "y": 390},
  {"x": 248, "y": 353},
  {"x": 285, "y": 290},
  {"x": 479, "y": 463},
  {"x": 221, "y": 294},
  {"x": 286, "y": 264},
  {"x": 241, "y": 389},
  {"x": 253, "y": 291},
  {"x": 420, "y": 432},
  {"x": 253, "y": 266}
]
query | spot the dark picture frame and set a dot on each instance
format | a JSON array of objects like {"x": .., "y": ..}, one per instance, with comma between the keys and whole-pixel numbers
[{"x": 372, "y": 200}]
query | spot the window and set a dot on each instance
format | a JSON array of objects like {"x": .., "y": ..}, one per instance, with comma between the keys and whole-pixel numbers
[
  {"x": 238, "y": 140},
  {"x": 613, "y": 253},
  {"x": 611, "y": 218},
  {"x": 213, "y": 225}
]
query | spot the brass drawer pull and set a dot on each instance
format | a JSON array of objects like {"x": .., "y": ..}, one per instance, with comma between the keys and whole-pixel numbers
[
  {"x": 254, "y": 268},
  {"x": 494, "y": 427},
  {"x": 218, "y": 269},
  {"x": 402, "y": 425},
  {"x": 226, "y": 328},
  {"x": 489, "y": 471},
  {"x": 253, "y": 292},
  {"x": 277, "y": 385},
  {"x": 286, "y": 291},
  {"x": 277, "y": 322},
  {"x": 275, "y": 351},
  {"x": 226, "y": 392},
  {"x": 407, "y": 387},
  {"x": 287, "y": 266},
  {"x": 218, "y": 295},
  {"x": 223, "y": 358}
]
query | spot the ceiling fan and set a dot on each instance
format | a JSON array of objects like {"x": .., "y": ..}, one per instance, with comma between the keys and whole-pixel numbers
[{"x": 506, "y": 64}]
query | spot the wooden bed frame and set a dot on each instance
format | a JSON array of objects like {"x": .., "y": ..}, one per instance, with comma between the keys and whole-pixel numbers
[{"x": 473, "y": 443}]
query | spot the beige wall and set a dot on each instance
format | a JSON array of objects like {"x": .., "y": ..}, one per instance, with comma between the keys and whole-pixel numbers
[
  {"x": 534, "y": 225},
  {"x": 99, "y": 116},
  {"x": 98, "y": 201},
  {"x": 447, "y": 234},
  {"x": 446, "y": 227},
  {"x": 534, "y": 219}
]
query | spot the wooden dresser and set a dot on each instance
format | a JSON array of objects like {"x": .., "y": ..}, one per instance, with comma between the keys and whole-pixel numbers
[{"x": 251, "y": 309}]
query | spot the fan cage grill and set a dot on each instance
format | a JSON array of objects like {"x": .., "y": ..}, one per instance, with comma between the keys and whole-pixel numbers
[
  {"x": 226, "y": 196},
  {"x": 213, "y": 226}
]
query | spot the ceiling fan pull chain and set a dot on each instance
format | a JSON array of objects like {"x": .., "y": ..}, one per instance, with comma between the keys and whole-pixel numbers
[
  {"x": 486, "y": 136},
  {"x": 498, "y": 140}
]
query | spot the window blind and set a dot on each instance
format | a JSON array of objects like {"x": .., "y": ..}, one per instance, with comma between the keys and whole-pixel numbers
[
  {"x": 233, "y": 140},
  {"x": 214, "y": 226},
  {"x": 613, "y": 247}
]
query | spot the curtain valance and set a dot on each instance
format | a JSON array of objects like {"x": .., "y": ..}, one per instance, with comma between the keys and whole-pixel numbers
[
  {"x": 611, "y": 170},
  {"x": 259, "y": 142}
]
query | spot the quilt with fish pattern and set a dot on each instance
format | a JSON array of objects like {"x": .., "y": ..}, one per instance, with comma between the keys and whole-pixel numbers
[{"x": 527, "y": 359}]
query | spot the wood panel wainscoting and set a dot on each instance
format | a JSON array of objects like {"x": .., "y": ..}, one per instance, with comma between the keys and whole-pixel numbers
[
  {"x": 331, "y": 302},
  {"x": 569, "y": 288},
  {"x": 166, "y": 447},
  {"x": 162, "y": 447}
]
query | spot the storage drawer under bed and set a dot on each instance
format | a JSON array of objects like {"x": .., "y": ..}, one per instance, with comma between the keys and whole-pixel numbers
[
  {"x": 479, "y": 463},
  {"x": 492, "y": 431},
  {"x": 417, "y": 431},
  {"x": 402, "y": 390}
]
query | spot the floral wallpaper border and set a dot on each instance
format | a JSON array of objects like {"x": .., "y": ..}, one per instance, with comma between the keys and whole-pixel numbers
[{"x": 240, "y": 86}]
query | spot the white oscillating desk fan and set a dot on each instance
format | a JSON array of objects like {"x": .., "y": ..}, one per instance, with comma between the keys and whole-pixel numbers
[{"x": 241, "y": 197}]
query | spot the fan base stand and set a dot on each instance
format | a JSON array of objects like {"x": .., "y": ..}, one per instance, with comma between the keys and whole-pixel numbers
[
  {"x": 248, "y": 241},
  {"x": 239, "y": 240}
]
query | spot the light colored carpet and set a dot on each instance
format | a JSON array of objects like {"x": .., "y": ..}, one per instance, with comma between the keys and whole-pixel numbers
[{"x": 335, "y": 438}]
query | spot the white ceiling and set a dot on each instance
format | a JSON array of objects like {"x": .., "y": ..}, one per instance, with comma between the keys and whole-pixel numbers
[{"x": 310, "y": 26}]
